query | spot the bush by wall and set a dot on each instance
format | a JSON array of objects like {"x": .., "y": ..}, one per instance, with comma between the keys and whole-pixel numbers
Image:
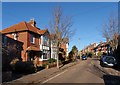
[
  {"x": 51, "y": 60},
  {"x": 23, "y": 67}
]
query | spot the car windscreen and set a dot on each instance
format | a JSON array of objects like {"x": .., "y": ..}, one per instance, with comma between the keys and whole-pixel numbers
[
  {"x": 83, "y": 56},
  {"x": 110, "y": 60}
]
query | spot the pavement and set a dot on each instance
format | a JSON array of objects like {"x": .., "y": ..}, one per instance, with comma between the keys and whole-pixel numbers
[
  {"x": 41, "y": 75},
  {"x": 106, "y": 70},
  {"x": 69, "y": 74}
]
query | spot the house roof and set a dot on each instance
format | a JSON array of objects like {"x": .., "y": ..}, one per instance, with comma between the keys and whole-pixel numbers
[
  {"x": 52, "y": 36},
  {"x": 43, "y": 31},
  {"x": 32, "y": 48},
  {"x": 65, "y": 40},
  {"x": 22, "y": 26}
]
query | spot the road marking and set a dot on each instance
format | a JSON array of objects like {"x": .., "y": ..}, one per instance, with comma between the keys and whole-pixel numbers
[{"x": 53, "y": 77}]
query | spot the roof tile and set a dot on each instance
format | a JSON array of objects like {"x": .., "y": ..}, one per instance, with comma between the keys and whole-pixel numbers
[
  {"x": 43, "y": 31},
  {"x": 22, "y": 26}
]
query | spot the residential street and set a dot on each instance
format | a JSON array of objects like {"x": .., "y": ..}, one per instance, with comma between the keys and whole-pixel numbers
[
  {"x": 60, "y": 43},
  {"x": 83, "y": 72}
]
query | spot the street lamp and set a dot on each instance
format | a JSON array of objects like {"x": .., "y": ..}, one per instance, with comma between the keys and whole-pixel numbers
[{"x": 79, "y": 44}]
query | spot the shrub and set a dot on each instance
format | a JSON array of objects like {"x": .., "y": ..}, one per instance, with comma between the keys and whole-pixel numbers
[
  {"x": 90, "y": 54},
  {"x": 23, "y": 67},
  {"x": 13, "y": 63},
  {"x": 51, "y": 60},
  {"x": 99, "y": 54},
  {"x": 45, "y": 65}
]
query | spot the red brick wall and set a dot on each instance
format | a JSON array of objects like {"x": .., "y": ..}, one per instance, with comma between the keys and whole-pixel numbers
[
  {"x": 36, "y": 40},
  {"x": 64, "y": 47},
  {"x": 25, "y": 38},
  {"x": 10, "y": 35},
  {"x": 22, "y": 37}
]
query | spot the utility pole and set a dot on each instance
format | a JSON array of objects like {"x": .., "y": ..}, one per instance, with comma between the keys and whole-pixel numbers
[{"x": 79, "y": 46}]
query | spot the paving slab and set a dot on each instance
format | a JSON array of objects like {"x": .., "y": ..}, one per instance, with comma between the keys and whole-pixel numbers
[{"x": 40, "y": 75}]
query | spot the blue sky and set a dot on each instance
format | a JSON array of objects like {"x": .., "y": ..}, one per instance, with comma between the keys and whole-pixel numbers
[{"x": 88, "y": 17}]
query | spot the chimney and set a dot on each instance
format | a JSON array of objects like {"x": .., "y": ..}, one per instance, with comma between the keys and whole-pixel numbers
[{"x": 32, "y": 22}]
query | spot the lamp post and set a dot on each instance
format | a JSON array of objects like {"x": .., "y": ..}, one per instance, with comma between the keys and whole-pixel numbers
[{"x": 79, "y": 45}]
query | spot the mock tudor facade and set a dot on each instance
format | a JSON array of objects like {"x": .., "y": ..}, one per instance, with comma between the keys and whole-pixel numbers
[
  {"x": 53, "y": 47},
  {"x": 63, "y": 47},
  {"x": 45, "y": 45}
]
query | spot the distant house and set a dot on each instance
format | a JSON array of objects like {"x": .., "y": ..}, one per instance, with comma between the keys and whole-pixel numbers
[
  {"x": 102, "y": 47},
  {"x": 31, "y": 36},
  {"x": 89, "y": 48},
  {"x": 63, "y": 47},
  {"x": 95, "y": 48}
]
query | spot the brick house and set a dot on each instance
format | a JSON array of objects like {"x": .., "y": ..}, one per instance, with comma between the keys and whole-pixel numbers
[
  {"x": 65, "y": 45},
  {"x": 11, "y": 49},
  {"x": 96, "y": 48},
  {"x": 10, "y": 44},
  {"x": 102, "y": 47},
  {"x": 30, "y": 35},
  {"x": 89, "y": 48}
]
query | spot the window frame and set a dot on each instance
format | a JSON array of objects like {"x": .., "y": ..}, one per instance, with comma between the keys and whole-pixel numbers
[{"x": 32, "y": 38}]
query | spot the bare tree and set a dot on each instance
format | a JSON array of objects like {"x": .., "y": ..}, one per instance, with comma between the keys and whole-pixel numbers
[
  {"x": 110, "y": 32},
  {"x": 61, "y": 28}
]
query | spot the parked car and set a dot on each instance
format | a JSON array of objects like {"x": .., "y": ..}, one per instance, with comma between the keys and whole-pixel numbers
[
  {"x": 84, "y": 57},
  {"x": 108, "y": 61},
  {"x": 101, "y": 57},
  {"x": 78, "y": 57}
]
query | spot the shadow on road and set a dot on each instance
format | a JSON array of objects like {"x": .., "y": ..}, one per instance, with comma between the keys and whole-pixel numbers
[
  {"x": 40, "y": 68},
  {"x": 117, "y": 67},
  {"x": 95, "y": 59},
  {"x": 65, "y": 63},
  {"x": 111, "y": 80},
  {"x": 16, "y": 75}
]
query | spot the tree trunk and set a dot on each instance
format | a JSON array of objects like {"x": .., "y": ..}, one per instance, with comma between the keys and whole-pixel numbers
[{"x": 58, "y": 55}]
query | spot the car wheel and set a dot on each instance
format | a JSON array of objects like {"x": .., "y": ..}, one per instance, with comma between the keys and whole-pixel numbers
[{"x": 102, "y": 64}]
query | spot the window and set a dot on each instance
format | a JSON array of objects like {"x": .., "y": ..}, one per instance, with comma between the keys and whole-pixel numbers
[
  {"x": 15, "y": 36},
  {"x": 44, "y": 55},
  {"x": 5, "y": 41},
  {"x": 45, "y": 41},
  {"x": 32, "y": 38}
]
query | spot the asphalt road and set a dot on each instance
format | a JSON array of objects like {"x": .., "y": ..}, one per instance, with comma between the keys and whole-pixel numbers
[{"x": 83, "y": 72}]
